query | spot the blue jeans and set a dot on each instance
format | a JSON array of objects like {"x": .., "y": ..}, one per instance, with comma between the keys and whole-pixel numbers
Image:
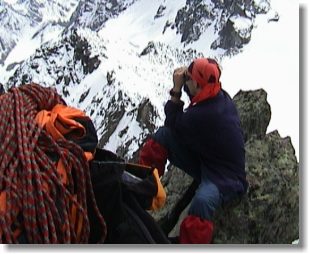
[{"x": 207, "y": 197}]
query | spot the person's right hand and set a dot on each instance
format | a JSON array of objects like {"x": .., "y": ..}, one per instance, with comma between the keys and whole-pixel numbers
[{"x": 178, "y": 78}]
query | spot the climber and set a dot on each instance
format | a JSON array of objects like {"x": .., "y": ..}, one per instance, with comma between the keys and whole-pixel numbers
[{"x": 206, "y": 141}]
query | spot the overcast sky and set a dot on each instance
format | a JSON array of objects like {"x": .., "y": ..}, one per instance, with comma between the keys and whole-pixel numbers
[{"x": 271, "y": 61}]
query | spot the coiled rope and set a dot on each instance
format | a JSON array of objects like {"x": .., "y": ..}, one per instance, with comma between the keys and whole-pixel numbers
[{"x": 36, "y": 201}]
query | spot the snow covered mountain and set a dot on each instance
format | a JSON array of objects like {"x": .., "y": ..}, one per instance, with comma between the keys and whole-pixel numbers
[
  {"x": 93, "y": 13},
  {"x": 114, "y": 59},
  {"x": 35, "y": 19}
]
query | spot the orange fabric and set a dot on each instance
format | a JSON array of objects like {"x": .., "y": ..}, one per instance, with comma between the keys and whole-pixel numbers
[
  {"x": 201, "y": 73},
  {"x": 203, "y": 70},
  {"x": 160, "y": 199},
  {"x": 59, "y": 121},
  {"x": 89, "y": 156}
]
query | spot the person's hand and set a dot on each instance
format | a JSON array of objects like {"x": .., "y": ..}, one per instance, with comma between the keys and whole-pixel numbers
[{"x": 178, "y": 78}]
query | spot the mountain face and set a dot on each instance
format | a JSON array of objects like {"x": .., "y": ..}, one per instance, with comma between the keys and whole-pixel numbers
[
  {"x": 72, "y": 51},
  {"x": 197, "y": 16},
  {"x": 114, "y": 59},
  {"x": 29, "y": 17},
  {"x": 93, "y": 14},
  {"x": 11, "y": 27}
]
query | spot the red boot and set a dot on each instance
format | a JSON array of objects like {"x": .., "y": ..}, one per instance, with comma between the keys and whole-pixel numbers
[
  {"x": 195, "y": 230},
  {"x": 155, "y": 155}
]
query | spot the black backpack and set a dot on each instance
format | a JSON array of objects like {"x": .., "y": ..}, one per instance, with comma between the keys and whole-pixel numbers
[{"x": 123, "y": 192}]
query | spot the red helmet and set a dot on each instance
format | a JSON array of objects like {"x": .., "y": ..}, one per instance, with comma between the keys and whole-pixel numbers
[{"x": 204, "y": 71}]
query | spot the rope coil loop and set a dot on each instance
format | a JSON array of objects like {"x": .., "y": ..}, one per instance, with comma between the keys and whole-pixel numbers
[{"x": 33, "y": 199}]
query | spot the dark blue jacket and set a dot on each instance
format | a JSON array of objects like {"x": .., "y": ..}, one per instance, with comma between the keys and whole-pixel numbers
[{"x": 212, "y": 129}]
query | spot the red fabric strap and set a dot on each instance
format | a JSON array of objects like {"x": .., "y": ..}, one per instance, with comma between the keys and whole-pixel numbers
[
  {"x": 195, "y": 230},
  {"x": 155, "y": 155}
]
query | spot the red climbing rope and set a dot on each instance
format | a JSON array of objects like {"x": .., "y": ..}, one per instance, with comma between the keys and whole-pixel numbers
[{"x": 33, "y": 199}]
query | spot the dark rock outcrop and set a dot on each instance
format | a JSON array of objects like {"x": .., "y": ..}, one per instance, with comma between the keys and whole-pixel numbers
[
  {"x": 196, "y": 17},
  {"x": 97, "y": 13},
  {"x": 254, "y": 112},
  {"x": 113, "y": 116},
  {"x": 269, "y": 212},
  {"x": 73, "y": 49}
]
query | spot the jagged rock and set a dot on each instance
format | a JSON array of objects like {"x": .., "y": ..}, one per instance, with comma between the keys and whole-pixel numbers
[
  {"x": 148, "y": 49},
  {"x": 160, "y": 11},
  {"x": 254, "y": 112},
  {"x": 275, "y": 18},
  {"x": 98, "y": 13},
  {"x": 84, "y": 95},
  {"x": 82, "y": 53},
  {"x": 146, "y": 115},
  {"x": 269, "y": 212},
  {"x": 229, "y": 38},
  {"x": 113, "y": 117},
  {"x": 78, "y": 61},
  {"x": 196, "y": 16},
  {"x": 192, "y": 20}
]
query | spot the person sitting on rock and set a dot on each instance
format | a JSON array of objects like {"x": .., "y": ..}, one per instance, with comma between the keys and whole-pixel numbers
[{"x": 206, "y": 141}]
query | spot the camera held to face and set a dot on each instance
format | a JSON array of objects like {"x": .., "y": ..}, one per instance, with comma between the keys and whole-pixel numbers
[{"x": 186, "y": 77}]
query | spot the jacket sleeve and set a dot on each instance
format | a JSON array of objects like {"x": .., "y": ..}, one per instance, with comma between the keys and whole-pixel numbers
[
  {"x": 173, "y": 112},
  {"x": 195, "y": 126},
  {"x": 179, "y": 121}
]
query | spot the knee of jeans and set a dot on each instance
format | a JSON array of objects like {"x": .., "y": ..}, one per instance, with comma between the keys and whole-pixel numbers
[
  {"x": 209, "y": 199},
  {"x": 202, "y": 207},
  {"x": 205, "y": 202}
]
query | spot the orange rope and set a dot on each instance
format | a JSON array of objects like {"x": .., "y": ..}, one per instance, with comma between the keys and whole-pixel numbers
[{"x": 35, "y": 198}]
